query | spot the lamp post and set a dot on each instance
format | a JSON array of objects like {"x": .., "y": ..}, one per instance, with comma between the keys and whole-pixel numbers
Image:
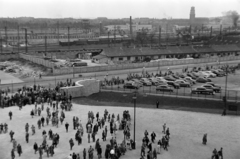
[
  {"x": 225, "y": 97},
  {"x": 134, "y": 129},
  {"x": 73, "y": 71}
]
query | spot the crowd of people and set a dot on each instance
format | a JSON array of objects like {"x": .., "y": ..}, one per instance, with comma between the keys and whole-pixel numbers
[{"x": 56, "y": 103}]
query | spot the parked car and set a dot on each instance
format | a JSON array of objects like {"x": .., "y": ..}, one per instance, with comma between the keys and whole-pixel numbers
[
  {"x": 202, "y": 90},
  {"x": 190, "y": 80},
  {"x": 191, "y": 75},
  {"x": 164, "y": 88},
  {"x": 162, "y": 82},
  {"x": 145, "y": 82},
  {"x": 201, "y": 80},
  {"x": 215, "y": 89},
  {"x": 169, "y": 78},
  {"x": 213, "y": 84},
  {"x": 173, "y": 84},
  {"x": 218, "y": 73},
  {"x": 130, "y": 85},
  {"x": 175, "y": 76},
  {"x": 183, "y": 83},
  {"x": 137, "y": 82},
  {"x": 182, "y": 75},
  {"x": 154, "y": 81},
  {"x": 211, "y": 75}
]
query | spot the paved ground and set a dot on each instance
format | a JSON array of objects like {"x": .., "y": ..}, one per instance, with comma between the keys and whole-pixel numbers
[
  {"x": 186, "y": 128},
  {"x": 7, "y": 78}
]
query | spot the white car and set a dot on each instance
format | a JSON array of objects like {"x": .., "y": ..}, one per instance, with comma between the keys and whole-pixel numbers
[
  {"x": 211, "y": 74},
  {"x": 203, "y": 74}
]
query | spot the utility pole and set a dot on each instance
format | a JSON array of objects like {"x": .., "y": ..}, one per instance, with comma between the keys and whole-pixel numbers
[
  {"x": 45, "y": 43},
  {"x": 108, "y": 39},
  {"x": 220, "y": 29},
  {"x": 58, "y": 31},
  {"x": 211, "y": 32},
  {"x": 26, "y": 41},
  {"x": 131, "y": 28},
  {"x": 6, "y": 36},
  {"x": 1, "y": 42},
  {"x": 166, "y": 35},
  {"x": 100, "y": 28},
  {"x": 114, "y": 34},
  {"x": 159, "y": 36},
  {"x": 18, "y": 39},
  {"x": 68, "y": 38}
]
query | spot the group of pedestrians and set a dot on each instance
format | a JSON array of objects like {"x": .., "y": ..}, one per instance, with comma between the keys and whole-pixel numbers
[{"x": 148, "y": 141}]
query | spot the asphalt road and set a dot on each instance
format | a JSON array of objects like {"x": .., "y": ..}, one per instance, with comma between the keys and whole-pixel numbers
[{"x": 50, "y": 81}]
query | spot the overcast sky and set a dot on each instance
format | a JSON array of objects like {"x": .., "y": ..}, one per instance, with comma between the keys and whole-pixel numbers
[{"x": 115, "y": 8}]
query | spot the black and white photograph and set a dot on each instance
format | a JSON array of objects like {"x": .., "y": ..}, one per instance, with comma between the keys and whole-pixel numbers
[{"x": 120, "y": 79}]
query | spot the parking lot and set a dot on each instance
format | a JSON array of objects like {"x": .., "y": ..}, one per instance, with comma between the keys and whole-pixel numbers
[{"x": 232, "y": 93}]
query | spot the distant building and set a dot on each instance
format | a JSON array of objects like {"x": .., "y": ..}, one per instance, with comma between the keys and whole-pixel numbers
[
  {"x": 193, "y": 20},
  {"x": 135, "y": 27}
]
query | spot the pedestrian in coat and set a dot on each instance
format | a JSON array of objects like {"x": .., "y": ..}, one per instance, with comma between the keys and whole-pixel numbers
[
  {"x": 27, "y": 137},
  {"x": 66, "y": 126},
  {"x": 10, "y": 115},
  {"x": 84, "y": 153},
  {"x": 71, "y": 143},
  {"x": 12, "y": 154},
  {"x": 11, "y": 135},
  {"x": 157, "y": 104},
  {"x": 19, "y": 150},
  {"x": 35, "y": 147}
]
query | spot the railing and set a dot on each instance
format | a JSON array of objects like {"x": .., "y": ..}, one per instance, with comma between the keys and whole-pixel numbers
[{"x": 184, "y": 92}]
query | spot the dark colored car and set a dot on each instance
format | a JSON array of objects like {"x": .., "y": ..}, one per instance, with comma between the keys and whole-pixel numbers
[
  {"x": 215, "y": 89},
  {"x": 192, "y": 76},
  {"x": 173, "y": 84},
  {"x": 130, "y": 85},
  {"x": 201, "y": 80},
  {"x": 202, "y": 90},
  {"x": 169, "y": 78},
  {"x": 164, "y": 88}
]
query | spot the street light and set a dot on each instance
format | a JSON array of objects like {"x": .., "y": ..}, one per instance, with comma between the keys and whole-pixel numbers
[{"x": 134, "y": 129}]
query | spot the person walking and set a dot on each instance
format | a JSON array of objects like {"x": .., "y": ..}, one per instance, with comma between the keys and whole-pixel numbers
[
  {"x": 19, "y": 150},
  {"x": 35, "y": 147},
  {"x": 27, "y": 137},
  {"x": 10, "y": 115},
  {"x": 71, "y": 143},
  {"x": 11, "y": 135},
  {"x": 12, "y": 154},
  {"x": 84, "y": 153},
  {"x": 157, "y": 104},
  {"x": 66, "y": 126}
]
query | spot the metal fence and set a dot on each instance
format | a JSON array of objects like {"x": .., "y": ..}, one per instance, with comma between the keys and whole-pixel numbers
[{"x": 184, "y": 92}]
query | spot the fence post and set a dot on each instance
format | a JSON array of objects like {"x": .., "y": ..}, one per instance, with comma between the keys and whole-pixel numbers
[
  {"x": 12, "y": 86},
  {"x": 177, "y": 92}
]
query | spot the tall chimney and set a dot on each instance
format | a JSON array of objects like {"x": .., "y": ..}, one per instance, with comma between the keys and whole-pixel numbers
[{"x": 131, "y": 27}]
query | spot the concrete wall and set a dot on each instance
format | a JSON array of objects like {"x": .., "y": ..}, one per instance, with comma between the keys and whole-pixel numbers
[
  {"x": 37, "y": 60},
  {"x": 83, "y": 88},
  {"x": 7, "y": 56},
  {"x": 141, "y": 65}
]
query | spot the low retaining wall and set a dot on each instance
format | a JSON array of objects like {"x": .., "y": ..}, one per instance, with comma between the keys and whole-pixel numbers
[
  {"x": 37, "y": 60},
  {"x": 141, "y": 65},
  {"x": 83, "y": 88},
  {"x": 7, "y": 56}
]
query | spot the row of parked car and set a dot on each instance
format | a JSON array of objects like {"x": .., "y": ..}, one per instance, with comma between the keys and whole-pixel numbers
[{"x": 175, "y": 81}]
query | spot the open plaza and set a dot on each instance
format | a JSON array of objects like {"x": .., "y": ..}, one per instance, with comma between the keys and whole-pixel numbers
[{"x": 186, "y": 132}]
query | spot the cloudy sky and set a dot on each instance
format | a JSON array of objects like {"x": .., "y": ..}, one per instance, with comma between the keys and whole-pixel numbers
[{"x": 115, "y": 8}]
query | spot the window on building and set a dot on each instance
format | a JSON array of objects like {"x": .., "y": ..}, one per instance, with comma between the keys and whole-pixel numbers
[
  {"x": 112, "y": 58},
  {"x": 128, "y": 58},
  {"x": 120, "y": 58}
]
